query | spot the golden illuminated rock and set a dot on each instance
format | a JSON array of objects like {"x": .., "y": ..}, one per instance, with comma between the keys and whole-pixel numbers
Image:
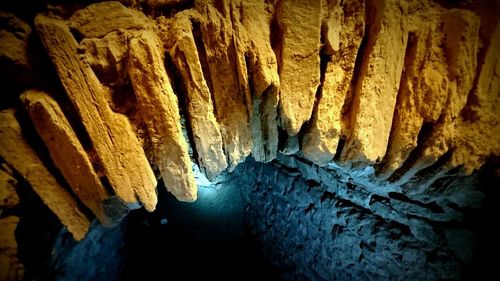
[
  {"x": 15, "y": 63},
  {"x": 254, "y": 23},
  {"x": 345, "y": 29},
  {"x": 378, "y": 82},
  {"x": 159, "y": 110},
  {"x": 300, "y": 26},
  {"x": 479, "y": 127},
  {"x": 99, "y": 19},
  {"x": 230, "y": 98},
  {"x": 107, "y": 56},
  {"x": 19, "y": 155},
  {"x": 117, "y": 147},
  {"x": 66, "y": 151},
  {"x": 204, "y": 127},
  {"x": 460, "y": 44}
]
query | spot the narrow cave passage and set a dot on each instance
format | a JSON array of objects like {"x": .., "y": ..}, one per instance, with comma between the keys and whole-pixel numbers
[{"x": 206, "y": 239}]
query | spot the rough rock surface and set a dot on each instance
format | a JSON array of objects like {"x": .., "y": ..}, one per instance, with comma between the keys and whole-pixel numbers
[
  {"x": 460, "y": 47},
  {"x": 344, "y": 30},
  {"x": 159, "y": 109},
  {"x": 19, "y": 155},
  {"x": 204, "y": 128},
  {"x": 299, "y": 65},
  {"x": 378, "y": 82},
  {"x": 99, "y": 19},
  {"x": 423, "y": 90},
  {"x": 10, "y": 268},
  {"x": 118, "y": 150},
  {"x": 231, "y": 103},
  {"x": 262, "y": 67},
  {"x": 107, "y": 56},
  {"x": 462, "y": 54},
  {"x": 66, "y": 152},
  {"x": 480, "y": 131},
  {"x": 14, "y": 38},
  {"x": 314, "y": 225}
]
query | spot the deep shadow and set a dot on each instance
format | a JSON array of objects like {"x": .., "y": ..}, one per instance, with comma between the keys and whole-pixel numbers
[{"x": 182, "y": 241}]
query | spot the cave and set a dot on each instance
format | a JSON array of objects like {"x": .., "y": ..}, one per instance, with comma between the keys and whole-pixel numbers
[{"x": 249, "y": 139}]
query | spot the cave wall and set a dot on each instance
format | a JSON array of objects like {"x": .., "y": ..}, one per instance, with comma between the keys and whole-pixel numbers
[{"x": 314, "y": 225}]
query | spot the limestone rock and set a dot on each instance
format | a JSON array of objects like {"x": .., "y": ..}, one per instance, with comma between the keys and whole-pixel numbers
[
  {"x": 204, "y": 127},
  {"x": 480, "y": 128},
  {"x": 8, "y": 194},
  {"x": 345, "y": 29},
  {"x": 231, "y": 104},
  {"x": 461, "y": 46},
  {"x": 423, "y": 91},
  {"x": 99, "y": 19},
  {"x": 118, "y": 150},
  {"x": 18, "y": 154},
  {"x": 160, "y": 112},
  {"x": 108, "y": 56},
  {"x": 378, "y": 82},
  {"x": 10, "y": 267},
  {"x": 66, "y": 151},
  {"x": 262, "y": 67},
  {"x": 299, "y": 61},
  {"x": 14, "y": 61}
]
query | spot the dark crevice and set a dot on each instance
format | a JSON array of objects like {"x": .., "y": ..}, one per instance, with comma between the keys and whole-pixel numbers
[
  {"x": 183, "y": 99},
  {"x": 368, "y": 246},
  {"x": 123, "y": 99},
  {"x": 377, "y": 198},
  {"x": 337, "y": 229},
  {"x": 324, "y": 59},
  {"x": 358, "y": 64},
  {"x": 166, "y": 9},
  {"x": 409, "y": 60},
  {"x": 340, "y": 147},
  {"x": 433, "y": 169},
  {"x": 276, "y": 36},
  {"x": 276, "y": 39},
  {"x": 202, "y": 55},
  {"x": 433, "y": 206},
  {"x": 249, "y": 97},
  {"x": 35, "y": 234},
  {"x": 424, "y": 133}
]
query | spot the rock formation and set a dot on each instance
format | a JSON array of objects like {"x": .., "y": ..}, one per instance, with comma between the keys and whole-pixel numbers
[
  {"x": 395, "y": 94},
  {"x": 298, "y": 59},
  {"x": 19, "y": 155},
  {"x": 158, "y": 104},
  {"x": 66, "y": 151},
  {"x": 115, "y": 144},
  {"x": 205, "y": 129}
]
